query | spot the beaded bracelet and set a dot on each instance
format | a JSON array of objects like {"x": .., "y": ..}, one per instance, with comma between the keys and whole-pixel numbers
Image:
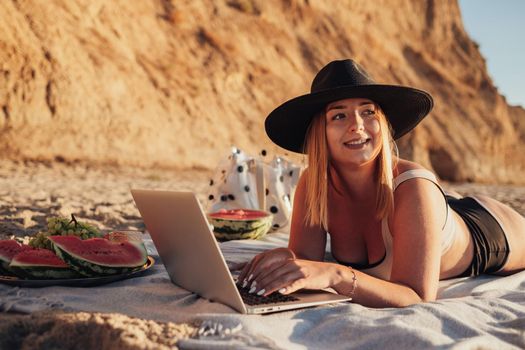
[{"x": 354, "y": 282}]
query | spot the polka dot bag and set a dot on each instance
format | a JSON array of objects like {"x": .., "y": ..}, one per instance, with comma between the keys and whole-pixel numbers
[{"x": 244, "y": 182}]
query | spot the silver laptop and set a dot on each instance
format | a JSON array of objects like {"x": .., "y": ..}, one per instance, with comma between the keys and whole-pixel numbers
[{"x": 186, "y": 244}]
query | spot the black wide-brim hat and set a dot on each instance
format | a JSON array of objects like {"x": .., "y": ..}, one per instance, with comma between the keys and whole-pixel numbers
[{"x": 403, "y": 106}]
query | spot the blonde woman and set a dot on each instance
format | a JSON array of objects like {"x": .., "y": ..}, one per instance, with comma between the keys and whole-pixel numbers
[{"x": 393, "y": 231}]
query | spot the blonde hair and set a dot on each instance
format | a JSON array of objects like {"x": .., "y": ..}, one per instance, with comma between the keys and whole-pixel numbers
[{"x": 317, "y": 175}]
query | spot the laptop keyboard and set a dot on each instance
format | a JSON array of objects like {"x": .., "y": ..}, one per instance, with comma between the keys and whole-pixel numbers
[{"x": 254, "y": 299}]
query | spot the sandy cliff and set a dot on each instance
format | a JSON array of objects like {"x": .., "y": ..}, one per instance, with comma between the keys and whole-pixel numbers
[{"x": 175, "y": 83}]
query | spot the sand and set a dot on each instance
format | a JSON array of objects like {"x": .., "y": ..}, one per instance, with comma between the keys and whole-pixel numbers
[
  {"x": 31, "y": 192},
  {"x": 58, "y": 330}
]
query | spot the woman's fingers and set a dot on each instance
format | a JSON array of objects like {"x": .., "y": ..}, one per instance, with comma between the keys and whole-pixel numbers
[
  {"x": 289, "y": 275},
  {"x": 234, "y": 267},
  {"x": 294, "y": 275},
  {"x": 244, "y": 273},
  {"x": 297, "y": 284},
  {"x": 248, "y": 271},
  {"x": 273, "y": 271},
  {"x": 280, "y": 277},
  {"x": 261, "y": 263},
  {"x": 258, "y": 265}
]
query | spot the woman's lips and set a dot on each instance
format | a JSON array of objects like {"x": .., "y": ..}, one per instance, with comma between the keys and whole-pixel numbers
[{"x": 356, "y": 144}]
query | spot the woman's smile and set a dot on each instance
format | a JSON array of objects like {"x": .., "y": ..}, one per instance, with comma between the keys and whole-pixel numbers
[{"x": 357, "y": 143}]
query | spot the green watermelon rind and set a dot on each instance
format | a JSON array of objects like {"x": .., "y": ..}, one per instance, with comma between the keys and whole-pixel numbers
[
  {"x": 236, "y": 226},
  {"x": 239, "y": 225},
  {"x": 256, "y": 233},
  {"x": 43, "y": 272},
  {"x": 4, "y": 268},
  {"x": 90, "y": 269}
]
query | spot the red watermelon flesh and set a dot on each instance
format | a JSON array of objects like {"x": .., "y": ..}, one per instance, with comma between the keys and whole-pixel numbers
[
  {"x": 38, "y": 257},
  {"x": 100, "y": 256},
  {"x": 41, "y": 264},
  {"x": 8, "y": 249},
  {"x": 239, "y": 214}
]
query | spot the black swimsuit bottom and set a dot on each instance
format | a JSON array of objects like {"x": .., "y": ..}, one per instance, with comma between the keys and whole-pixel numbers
[{"x": 491, "y": 248}]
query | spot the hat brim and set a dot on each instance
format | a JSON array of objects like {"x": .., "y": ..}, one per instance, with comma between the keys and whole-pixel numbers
[{"x": 403, "y": 106}]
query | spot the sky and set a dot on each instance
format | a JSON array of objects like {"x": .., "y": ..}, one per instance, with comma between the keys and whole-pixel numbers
[{"x": 498, "y": 26}]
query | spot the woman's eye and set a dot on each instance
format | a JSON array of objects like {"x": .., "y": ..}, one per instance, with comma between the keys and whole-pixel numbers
[
  {"x": 369, "y": 112},
  {"x": 338, "y": 116}
]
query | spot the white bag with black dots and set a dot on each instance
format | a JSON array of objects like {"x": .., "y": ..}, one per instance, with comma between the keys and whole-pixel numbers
[{"x": 244, "y": 182}]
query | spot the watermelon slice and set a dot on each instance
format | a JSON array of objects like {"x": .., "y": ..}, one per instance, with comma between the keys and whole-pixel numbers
[
  {"x": 40, "y": 263},
  {"x": 100, "y": 256},
  {"x": 240, "y": 223},
  {"x": 8, "y": 249}
]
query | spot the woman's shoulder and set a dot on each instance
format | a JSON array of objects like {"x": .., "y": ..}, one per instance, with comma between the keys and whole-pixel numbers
[
  {"x": 404, "y": 165},
  {"x": 407, "y": 170}
]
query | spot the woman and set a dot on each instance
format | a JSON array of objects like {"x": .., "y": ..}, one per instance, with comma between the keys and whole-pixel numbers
[{"x": 392, "y": 229}]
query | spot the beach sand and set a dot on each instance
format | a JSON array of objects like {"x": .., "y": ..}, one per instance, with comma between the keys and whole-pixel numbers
[{"x": 31, "y": 192}]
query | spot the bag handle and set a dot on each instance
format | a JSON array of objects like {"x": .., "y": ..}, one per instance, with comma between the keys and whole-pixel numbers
[{"x": 260, "y": 183}]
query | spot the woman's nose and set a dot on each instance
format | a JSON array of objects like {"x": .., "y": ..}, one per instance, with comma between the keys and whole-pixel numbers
[{"x": 356, "y": 122}]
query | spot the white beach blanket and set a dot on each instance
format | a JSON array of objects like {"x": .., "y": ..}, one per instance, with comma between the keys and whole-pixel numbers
[{"x": 471, "y": 313}]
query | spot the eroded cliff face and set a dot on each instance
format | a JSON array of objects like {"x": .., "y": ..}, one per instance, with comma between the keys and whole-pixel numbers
[{"x": 175, "y": 83}]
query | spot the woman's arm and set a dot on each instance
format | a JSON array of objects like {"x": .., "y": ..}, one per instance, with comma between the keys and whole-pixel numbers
[
  {"x": 416, "y": 229},
  {"x": 419, "y": 216}
]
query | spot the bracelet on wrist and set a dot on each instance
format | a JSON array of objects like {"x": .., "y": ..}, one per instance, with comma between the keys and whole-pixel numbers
[{"x": 354, "y": 282}]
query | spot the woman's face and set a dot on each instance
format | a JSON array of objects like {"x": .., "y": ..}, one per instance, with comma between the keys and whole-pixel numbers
[{"x": 353, "y": 131}]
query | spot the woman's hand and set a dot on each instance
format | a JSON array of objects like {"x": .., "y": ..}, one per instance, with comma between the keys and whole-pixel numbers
[
  {"x": 279, "y": 270},
  {"x": 262, "y": 262},
  {"x": 298, "y": 274}
]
